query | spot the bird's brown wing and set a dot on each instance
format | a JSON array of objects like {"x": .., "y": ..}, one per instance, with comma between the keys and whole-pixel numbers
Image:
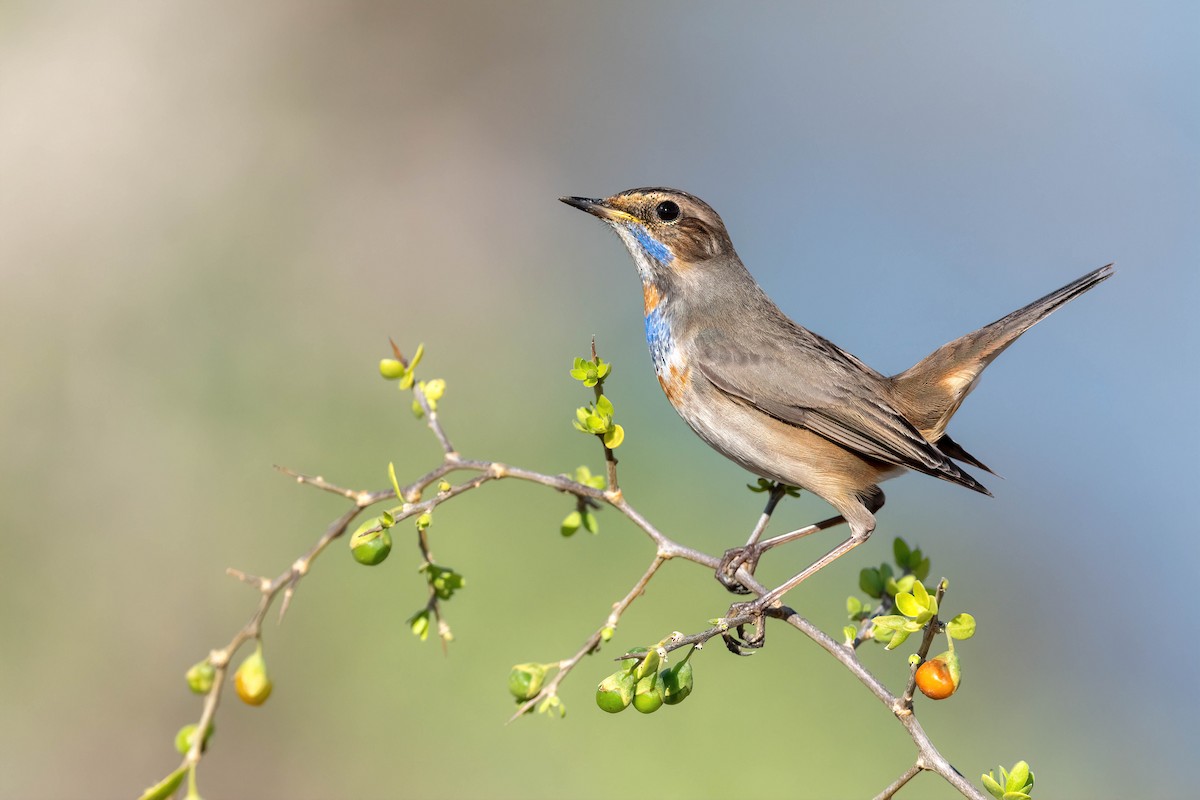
[{"x": 809, "y": 382}]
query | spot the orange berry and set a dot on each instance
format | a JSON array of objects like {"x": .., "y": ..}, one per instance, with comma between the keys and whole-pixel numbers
[{"x": 934, "y": 680}]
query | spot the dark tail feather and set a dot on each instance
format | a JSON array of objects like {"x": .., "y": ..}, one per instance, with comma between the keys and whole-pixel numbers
[{"x": 955, "y": 450}]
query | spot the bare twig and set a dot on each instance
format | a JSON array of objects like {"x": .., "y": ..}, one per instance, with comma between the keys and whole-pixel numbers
[{"x": 898, "y": 784}]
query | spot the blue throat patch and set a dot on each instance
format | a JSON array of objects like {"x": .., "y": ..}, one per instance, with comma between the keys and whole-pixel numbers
[
  {"x": 654, "y": 248},
  {"x": 658, "y": 337}
]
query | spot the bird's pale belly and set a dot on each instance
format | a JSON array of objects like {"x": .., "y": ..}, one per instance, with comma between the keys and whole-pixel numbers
[{"x": 767, "y": 447}]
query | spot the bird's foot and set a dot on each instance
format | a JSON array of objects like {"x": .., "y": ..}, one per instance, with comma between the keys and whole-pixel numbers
[
  {"x": 737, "y": 640},
  {"x": 733, "y": 560}
]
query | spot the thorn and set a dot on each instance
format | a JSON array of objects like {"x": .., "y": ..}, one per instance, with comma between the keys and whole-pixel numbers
[
  {"x": 287, "y": 601},
  {"x": 396, "y": 352}
]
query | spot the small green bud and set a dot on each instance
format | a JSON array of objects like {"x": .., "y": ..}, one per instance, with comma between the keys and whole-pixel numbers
[
  {"x": 552, "y": 704},
  {"x": 571, "y": 523},
  {"x": 200, "y": 676},
  {"x": 419, "y": 624},
  {"x": 444, "y": 580},
  {"x": 615, "y": 692},
  {"x": 525, "y": 680},
  {"x": 607, "y": 632},
  {"x": 677, "y": 682},
  {"x": 187, "y": 735},
  {"x": 390, "y": 368},
  {"x": 424, "y": 521},
  {"x": 443, "y": 487}
]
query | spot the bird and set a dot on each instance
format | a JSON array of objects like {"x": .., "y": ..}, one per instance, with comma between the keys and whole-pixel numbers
[{"x": 779, "y": 400}]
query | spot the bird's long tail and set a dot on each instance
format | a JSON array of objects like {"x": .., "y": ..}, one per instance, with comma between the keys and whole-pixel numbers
[{"x": 930, "y": 392}]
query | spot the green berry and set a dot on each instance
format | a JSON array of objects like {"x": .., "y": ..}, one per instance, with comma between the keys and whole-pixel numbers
[
  {"x": 616, "y": 691},
  {"x": 677, "y": 683},
  {"x": 371, "y": 548},
  {"x": 648, "y": 696},
  {"x": 525, "y": 680}
]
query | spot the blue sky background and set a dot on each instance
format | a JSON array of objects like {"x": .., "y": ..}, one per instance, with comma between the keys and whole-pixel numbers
[{"x": 212, "y": 216}]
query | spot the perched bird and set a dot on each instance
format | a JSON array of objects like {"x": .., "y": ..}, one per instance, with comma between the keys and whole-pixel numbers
[{"x": 778, "y": 399}]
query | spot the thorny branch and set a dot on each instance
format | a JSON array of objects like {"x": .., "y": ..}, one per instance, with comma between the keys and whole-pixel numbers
[{"x": 666, "y": 549}]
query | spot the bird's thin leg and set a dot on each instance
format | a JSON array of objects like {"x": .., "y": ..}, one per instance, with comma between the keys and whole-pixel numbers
[
  {"x": 777, "y": 492},
  {"x": 748, "y": 554},
  {"x": 824, "y": 561},
  {"x": 800, "y": 533}
]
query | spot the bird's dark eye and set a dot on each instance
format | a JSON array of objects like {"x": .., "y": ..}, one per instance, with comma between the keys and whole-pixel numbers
[{"x": 667, "y": 211}]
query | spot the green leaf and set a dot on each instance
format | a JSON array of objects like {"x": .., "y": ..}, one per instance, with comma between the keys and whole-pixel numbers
[
  {"x": 853, "y": 605},
  {"x": 871, "y": 582},
  {"x": 897, "y": 639},
  {"x": 961, "y": 627},
  {"x": 395, "y": 483},
  {"x": 994, "y": 789},
  {"x": 901, "y": 551},
  {"x": 1017, "y": 777},
  {"x": 571, "y": 523},
  {"x": 907, "y": 605},
  {"x": 851, "y": 633},
  {"x": 416, "y": 359},
  {"x": 889, "y": 622},
  {"x": 604, "y": 406},
  {"x": 920, "y": 593},
  {"x": 905, "y": 582},
  {"x": 578, "y": 373},
  {"x": 166, "y": 787},
  {"x": 921, "y": 570},
  {"x": 613, "y": 439},
  {"x": 590, "y": 522}
]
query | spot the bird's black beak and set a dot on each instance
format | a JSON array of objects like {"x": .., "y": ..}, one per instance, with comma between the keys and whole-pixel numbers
[
  {"x": 588, "y": 204},
  {"x": 598, "y": 208}
]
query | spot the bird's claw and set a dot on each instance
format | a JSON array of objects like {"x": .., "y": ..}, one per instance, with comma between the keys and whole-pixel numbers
[
  {"x": 733, "y": 560},
  {"x": 739, "y": 643}
]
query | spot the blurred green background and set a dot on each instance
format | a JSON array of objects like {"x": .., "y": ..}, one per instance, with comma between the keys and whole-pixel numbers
[{"x": 213, "y": 215}]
